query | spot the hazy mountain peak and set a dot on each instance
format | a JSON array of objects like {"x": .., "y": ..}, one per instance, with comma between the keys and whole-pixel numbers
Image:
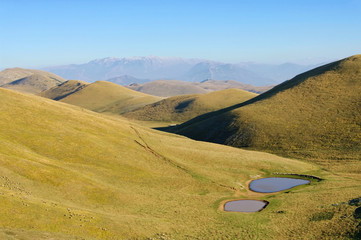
[{"x": 194, "y": 70}]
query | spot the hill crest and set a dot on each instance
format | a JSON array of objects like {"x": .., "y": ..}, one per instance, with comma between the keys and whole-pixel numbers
[{"x": 315, "y": 110}]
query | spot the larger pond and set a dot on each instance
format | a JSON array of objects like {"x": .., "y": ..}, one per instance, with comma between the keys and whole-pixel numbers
[
  {"x": 275, "y": 184},
  {"x": 245, "y": 206}
]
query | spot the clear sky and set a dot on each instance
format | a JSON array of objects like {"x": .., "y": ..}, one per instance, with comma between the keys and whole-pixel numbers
[{"x": 36, "y": 33}]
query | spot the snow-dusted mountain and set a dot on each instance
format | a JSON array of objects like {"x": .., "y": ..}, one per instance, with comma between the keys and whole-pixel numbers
[
  {"x": 137, "y": 67},
  {"x": 126, "y": 70}
]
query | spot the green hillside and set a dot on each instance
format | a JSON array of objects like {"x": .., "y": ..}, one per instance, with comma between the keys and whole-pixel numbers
[
  {"x": 315, "y": 115},
  {"x": 69, "y": 173},
  {"x": 184, "y": 107},
  {"x": 108, "y": 97},
  {"x": 63, "y": 90}
]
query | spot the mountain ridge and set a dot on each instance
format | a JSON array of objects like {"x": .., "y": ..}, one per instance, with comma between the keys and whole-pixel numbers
[{"x": 155, "y": 68}]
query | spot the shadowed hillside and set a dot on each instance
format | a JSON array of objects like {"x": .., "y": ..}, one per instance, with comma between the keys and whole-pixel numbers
[
  {"x": 63, "y": 90},
  {"x": 167, "y": 88},
  {"x": 104, "y": 96},
  {"x": 184, "y": 107},
  {"x": 315, "y": 115},
  {"x": 28, "y": 80}
]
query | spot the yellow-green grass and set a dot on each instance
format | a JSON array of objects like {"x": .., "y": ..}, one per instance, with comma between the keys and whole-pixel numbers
[
  {"x": 34, "y": 83},
  {"x": 70, "y": 173},
  {"x": 184, "y": 107},
  {"x": 63, "y": 90},
  {"x": 167, "y": 88},
  {"x": 11, "y": 74},
  {"x": 315, "y": 115},
  {"x": 103, "y": 96}
]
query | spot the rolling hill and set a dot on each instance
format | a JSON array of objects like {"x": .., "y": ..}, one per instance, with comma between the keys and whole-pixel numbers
[
  {"x": 169, "y": 88},
  {"x": 100, "y": 96},
  {"x": 70, "y": 173},
  {"x": 28, "y": 80},
  {"x": 63, "y": 90},
  {"x": 315, "y": 115},
  {"x": 184, "y": 107}
]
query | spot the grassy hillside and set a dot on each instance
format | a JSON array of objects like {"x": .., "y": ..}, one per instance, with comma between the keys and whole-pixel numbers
[
  {"x": 184, "y": 107},
  {"x": 108, "y": 97},
  {"x": 168, "y": 88},
  {"x": 28, "y": 80},
  {"x": 63, "y": 90},
  {"x": 315, "y": 115},
  {"x": 216, "y": 85},
  {"x": 34, "y": 84},
  {"x": 69, "y": 173}
]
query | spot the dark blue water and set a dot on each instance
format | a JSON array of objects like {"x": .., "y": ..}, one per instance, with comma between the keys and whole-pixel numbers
[
  {"x": 275, "y": 184},
  {"x": 244, "y": 206}
]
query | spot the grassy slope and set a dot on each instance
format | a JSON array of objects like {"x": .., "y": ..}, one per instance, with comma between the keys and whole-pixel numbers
[
  {"x": 69, "y": 173},
  {"x": 34, "y": 84},
  {"x": 182, "y": 108},
  {"x": 11, "y": 74},
  {"x": 109, "y": 97},
  {"x": 216, "y": 85},
  {"x": 64, "y": 89},
  {"x": 167, "y": 88},
  {"x": 315, "y": 115}
]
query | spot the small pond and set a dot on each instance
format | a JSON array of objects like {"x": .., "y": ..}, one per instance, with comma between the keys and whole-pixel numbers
[
  {"x": 275, "y": 184},
  {"x": 245, "y": 206}
]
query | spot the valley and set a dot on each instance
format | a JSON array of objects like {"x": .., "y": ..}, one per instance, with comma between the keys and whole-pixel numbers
[{"x": 78, "y": 160}]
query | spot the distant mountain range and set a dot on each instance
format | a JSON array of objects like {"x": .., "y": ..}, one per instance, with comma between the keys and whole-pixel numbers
[{"x": 143, "y": 69}]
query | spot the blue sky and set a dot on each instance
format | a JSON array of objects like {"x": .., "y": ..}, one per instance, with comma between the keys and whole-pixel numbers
[{"x": 38, "y": 33}]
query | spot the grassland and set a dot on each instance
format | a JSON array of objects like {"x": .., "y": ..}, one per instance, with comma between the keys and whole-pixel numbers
[
  {"x": 11, "y": 74},
  {"x": 169, "y": 88},
  {"x": 69, "y": 173},
  {"x": 101, "y": 96},
  {"x": 181, "y": 108},
  {"x": 28, "y": 80},
  {"x": 315, "y": 116},
  {"x": 63, "y": 90}
]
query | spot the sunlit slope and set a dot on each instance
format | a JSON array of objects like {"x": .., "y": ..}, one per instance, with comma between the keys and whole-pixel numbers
[
  {"x": 168, "y": 88},
  {"x": 184, "y": 107},
  {"x": 28, "y": 80},
  {"x": 11, "y": 74},
  {"x": 63, "y": 90},
  {"x": 66, "y": 172},
  {"x": 109, "y": 97},
  {"x": 317, "y": 114}
]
